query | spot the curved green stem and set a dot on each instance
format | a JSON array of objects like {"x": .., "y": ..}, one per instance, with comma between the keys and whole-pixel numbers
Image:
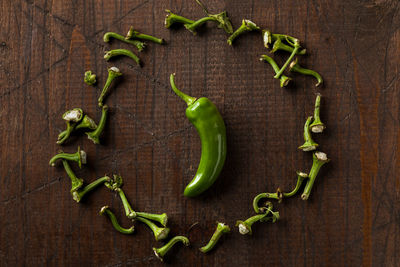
[
  {"x": 76, "y": 182},
  {"x": 124, "y": 52},
  {"x": 160, "y": 252},
  {"x": 108, "y": 35},
  {"x": 319, "y": 159},
  {"x": 284, "y": 80},
  {"x": 172, "y": 18},
  {"x": 300, "y": 178},
  {"x": 160, "y": 233},
  {"x": 95, "y": 135},
  {"x": 193, "y": 26},
  {"x": 188, "y": 99},
  {"x": 63, "y": 136},
  {"x": 289, "y": 39},
  {"x": 132, "y": 34},
  {"x": 79, "y": 157},
  {"x": 309, "y": 143},
  {"x": 317, "y": 126},
  {"x": 89, "y": 78},
  {"x": 115, "y": 223},
  {"x": 113, "y": 73},
  {"x": 77, "y": 195},
  {"x": 280, "y": 72},
  {"x": 221, "y": 229},
  {"x": 245, "y": 226},
  {"x": 247, "y": 26},
  {"x": 295, "y": 67}
]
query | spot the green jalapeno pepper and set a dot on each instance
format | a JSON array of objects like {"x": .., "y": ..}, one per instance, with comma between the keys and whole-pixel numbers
[{"x": 207, "y": 120}]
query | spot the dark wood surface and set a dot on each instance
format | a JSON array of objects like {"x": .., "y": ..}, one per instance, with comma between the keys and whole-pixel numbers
[{"x": 352, "y": 217}]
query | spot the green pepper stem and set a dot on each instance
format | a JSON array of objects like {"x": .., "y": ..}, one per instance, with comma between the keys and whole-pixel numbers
[
  {"x": 188, "y": 99},
  {"x": 89, "y": 78},
  {"x": 86, "y": 123},
  {"x": 257, "y": 199},
  {"x": 113, "y": 73},
  {"x": 245, "y": 226},
  {"x": 247, "y": 26},
  {"x": 280, "y": 72},
  {"x": 115, "y": 223},
  {"x": 278, "y": 45},
  {"x": 95, "y": 135},
  {"x": 309, "y": 143},
  {"x": 160, "y": 233},
  {"x": 79, "y": 157},
  {"x": 132, "y": 34},
  {"x": 129, "y": 212},
  {"x": 63, "y": 136},
  {"x": 172, "y": 18},
  {"x": 124, "y": 52},
  {"x": 284, "y": 80},
  {"x": 317, "y": 126},
  {"x": 77, "y": 195},
  {"x": 160, "y": 252},
  {"x": 289, "y": 39},
  {"x": 295, "y": 67},
  {"x": 319, "y": 159},
  {"x": 139, "y": 45},
  {"x": 76, "y": 182},
  {"x": 193, "y": 26},
  {"x": 300, "y": 178},
  {"x": 221, "y": 229},
  {"x": 160, "y": 218}
]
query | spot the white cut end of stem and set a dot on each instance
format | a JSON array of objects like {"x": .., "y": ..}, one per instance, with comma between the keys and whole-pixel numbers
[
  {"x": 309, "y": 148},
  {"x": 83, "y": 157},
  {"x": 302, "y": 174},
  {"x": 115, "y": 69},
  {"x": 317, "y": 129},
  {"x": 243, "y": 229},
  {"x": 73, "y": 115},
  {"x": 321, "y": 156}
]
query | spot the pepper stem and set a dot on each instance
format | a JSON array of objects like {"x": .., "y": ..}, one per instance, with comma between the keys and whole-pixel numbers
[
  {"x": 129, "y": 212},
  {"x": 319, "y": 159},
  {"x": 95, "y": 135},
  {"x": 115, "y": 223},
  {"x": 124, "y": 52},
  {"x": 79, "y": 157},
  {"x": 76, "y": 182},
  {"x": 284, "y": 80},
  {"x": 160, "y": 252},
  {"x": 113, "y": 73},
  {"x": 300, "y": 178},
  {"x": 78, "y": 194},
  {"x": 280, "y": 72},
  {"x": 188, "y": 99},
  {"x": 295, "y": 67},
  {"x": 317, "y": 126},
  {"x": 160, "y": 233},
  {"x": 221, "y": 229},
  {"x": 309, "y": 143}
]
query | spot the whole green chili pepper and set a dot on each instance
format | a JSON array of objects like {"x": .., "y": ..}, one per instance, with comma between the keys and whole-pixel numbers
[
  {"x": 207, "y": 120},
  {"x": 221, "y": 229}
]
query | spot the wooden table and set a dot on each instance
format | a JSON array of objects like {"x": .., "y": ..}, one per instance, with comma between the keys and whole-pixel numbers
[{"x": 352, "y": 217}]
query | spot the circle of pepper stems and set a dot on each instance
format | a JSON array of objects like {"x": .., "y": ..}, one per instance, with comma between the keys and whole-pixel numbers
[{"x": 77, "y": 121}]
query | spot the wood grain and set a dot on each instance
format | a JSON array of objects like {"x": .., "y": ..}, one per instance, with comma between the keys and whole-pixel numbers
[{"x": 352, "y": 217}]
